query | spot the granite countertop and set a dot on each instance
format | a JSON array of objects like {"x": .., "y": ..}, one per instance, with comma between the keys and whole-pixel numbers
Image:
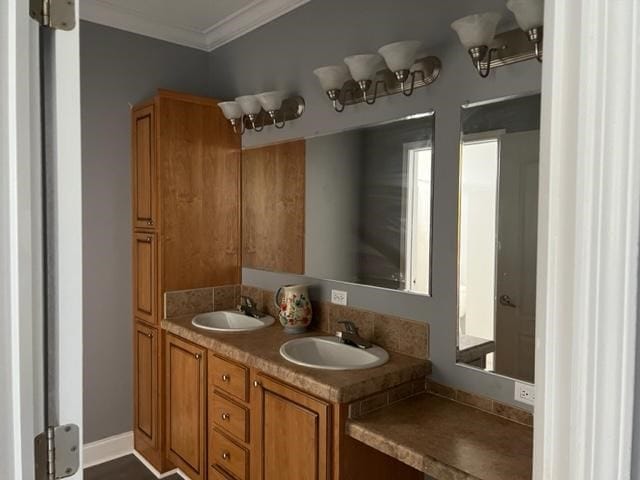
[
  {"x": 261, "y": 349},
  {"x": 448, "y": 440}
]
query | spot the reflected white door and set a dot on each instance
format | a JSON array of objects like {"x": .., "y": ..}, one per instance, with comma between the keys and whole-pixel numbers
[{"x": 516, "y": 255}]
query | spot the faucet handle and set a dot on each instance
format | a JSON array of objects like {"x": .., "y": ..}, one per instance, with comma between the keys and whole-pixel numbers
[
  {"x": 349, "y": 326},
  {"x": 248, "y": 301}
]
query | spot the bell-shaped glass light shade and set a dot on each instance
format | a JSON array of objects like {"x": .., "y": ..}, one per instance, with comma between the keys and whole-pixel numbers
[
  {"x": 231, "y": 110},
  {"x": 476, "y": 30},
  {"x": 363, "y": 67},
  {"x": 271, "y": 101},
  {"x": 249, "y": 104},
  {"x": 529, "y": 13},
  {"x": 332, "y": 77},
  {"x": 400, "y": 55}
]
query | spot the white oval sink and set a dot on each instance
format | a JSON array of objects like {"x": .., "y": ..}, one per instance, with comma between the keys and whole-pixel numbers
[
  {"x": 230, "y": 321},
  {"x": 329, "y": 354}
]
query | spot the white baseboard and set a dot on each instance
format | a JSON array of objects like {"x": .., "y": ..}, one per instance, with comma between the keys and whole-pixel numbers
[
  {"x": 155, "y": 472},
  {"x": 107, "y": 449},
  {"x": 118, "y": 446}
]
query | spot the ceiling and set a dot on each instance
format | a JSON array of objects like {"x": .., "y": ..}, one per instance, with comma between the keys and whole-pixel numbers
[{"x": 202, "y": 24}]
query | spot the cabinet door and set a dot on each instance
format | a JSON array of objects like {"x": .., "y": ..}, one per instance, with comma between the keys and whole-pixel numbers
[
  {"x": 282, "y": 412},
  {"x": 146, "y": 387},
  {"x": 144, "y": 168},
  {"x": 145, "y": 303},
  {"x": 185, "y": 368}
]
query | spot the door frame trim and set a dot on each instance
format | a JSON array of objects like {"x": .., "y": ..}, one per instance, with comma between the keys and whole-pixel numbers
[{"x": 589, "y": 226}]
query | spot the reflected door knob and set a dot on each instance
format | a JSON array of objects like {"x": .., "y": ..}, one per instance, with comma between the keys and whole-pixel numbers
[{"x": 505, "y": 301}]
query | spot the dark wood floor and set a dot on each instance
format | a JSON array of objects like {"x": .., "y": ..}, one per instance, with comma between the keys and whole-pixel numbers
[{"x": 123, "y": 468}]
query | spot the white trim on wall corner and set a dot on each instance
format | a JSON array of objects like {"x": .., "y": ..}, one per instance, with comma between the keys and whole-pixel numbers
[
  {"x": 252, "y": 16},
  {"x": 106, "y": 449}
]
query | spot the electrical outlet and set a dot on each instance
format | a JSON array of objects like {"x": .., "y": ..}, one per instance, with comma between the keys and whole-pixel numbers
[
  {"x": 338, "y": 297},
  {"x": 525, "y": 393}
]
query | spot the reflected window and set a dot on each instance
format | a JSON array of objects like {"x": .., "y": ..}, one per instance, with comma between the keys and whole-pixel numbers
[{"x": 418, "y": 216}]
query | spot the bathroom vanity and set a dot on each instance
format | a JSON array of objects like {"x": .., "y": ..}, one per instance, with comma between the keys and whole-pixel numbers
[
  {"x": 220, "y": 405},
  {"x": 238, "y": 410}
]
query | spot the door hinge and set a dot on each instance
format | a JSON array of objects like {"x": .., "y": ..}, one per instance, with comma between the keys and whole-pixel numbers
[
  {"x": 57, "y": 452},
  {"x": 58, "y": 14}
]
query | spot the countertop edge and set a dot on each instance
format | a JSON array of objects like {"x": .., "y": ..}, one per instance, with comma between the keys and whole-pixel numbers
[
  {"x": 293, "y": 375},
  {"x": 404, "y": 454}
]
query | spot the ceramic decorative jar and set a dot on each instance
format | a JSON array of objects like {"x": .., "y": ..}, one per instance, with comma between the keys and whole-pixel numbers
[{"x": 294, "y": 306}]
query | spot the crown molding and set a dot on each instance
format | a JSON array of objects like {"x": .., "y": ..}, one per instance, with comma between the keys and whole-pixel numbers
[{"x": 254, "y": 15}]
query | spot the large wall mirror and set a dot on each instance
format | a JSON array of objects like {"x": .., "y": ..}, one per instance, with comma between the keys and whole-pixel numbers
[
  {"x": 368, "y": 205},
  {"x": 498, "y": 210}
]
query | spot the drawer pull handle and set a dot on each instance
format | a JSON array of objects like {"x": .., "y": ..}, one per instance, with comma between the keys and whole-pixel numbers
[
  {"x": 225, "y": 416},
  {"x": 149, "y": 222},
  {"x": 197, "y": 355},
  {"x": 226, "y": 455},
  {"x": 256, "y": 383},
  {"x": 225, "y": 378},
  {"x": 150, "y": 335}
]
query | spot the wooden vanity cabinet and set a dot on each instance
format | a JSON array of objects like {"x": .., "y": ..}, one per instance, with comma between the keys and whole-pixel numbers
[
  {"x": 292, "y": 433},
  {"x": 145, "y": 280},
  {"x": 186, "y": 397},
  {"x": 185, "y": 172},
  {"x": 146, "y": 341},
  {"x": 143, "y": 172}
]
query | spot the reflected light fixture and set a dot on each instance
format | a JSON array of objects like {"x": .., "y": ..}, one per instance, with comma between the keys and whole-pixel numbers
[
  {"x": 368, "y": 76},
  {"x": 254, "y": 112},
  {"x": 477, "y": 33}
]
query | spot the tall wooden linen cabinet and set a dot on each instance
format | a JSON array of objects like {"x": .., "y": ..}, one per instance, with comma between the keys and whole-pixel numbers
[{"x": 186, "y": 234}]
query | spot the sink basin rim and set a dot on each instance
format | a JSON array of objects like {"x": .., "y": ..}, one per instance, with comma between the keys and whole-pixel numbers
[
  {"x": 373, "y": 357},
  {"x": 217, "y": 319}
]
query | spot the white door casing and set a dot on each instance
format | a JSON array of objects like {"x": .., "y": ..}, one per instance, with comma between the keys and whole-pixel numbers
[
  {"x": 589, "y": 223},
  {"x": 22, "y": 398},
  {"x": 21, "y": 349}
]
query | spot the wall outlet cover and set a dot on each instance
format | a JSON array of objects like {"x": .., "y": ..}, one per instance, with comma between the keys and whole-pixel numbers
[
  {"x": 525, "y": 393},
  {"x": 338, "y": 297}
]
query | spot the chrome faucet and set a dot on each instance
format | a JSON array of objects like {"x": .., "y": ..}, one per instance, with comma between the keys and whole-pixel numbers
[
  {"x": 248, "y": 307},
  {"x": 350, "y": 335}
]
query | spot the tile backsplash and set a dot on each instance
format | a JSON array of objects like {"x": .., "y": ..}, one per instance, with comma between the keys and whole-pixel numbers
[
  {"x": 200, "y": 300},
  {"x": 395, "y": 334},
  {"x": 481, "y": 403},
  {"x": 392, "y": 333}
]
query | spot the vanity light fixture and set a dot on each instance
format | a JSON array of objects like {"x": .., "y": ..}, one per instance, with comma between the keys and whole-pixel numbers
[
  {"x": 368, "y": 76},
  {"x": 477, "y": 33},
  {"x": 530, "y": 16},
  {"x": 254, "y": 112}
]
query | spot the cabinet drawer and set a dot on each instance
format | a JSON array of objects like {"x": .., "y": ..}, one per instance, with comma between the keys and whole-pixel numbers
[
  {"x": 227, "y": 455},
  {"x": 229, "y": 416},
  {"x": 229, "y": 377},
  {"x": 216, "y": 474}
]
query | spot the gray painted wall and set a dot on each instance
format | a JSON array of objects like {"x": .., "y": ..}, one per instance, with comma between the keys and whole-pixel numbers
[
  {"x": 284, "y": 53},
  {"x": 117, "y": 69}
]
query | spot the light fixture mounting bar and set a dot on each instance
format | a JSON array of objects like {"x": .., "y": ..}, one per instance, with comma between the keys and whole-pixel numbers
[
  {"x": 351, "y": 93},
  {"x": 511, "y": 47},
  {"x": 291, "y": 108}
]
